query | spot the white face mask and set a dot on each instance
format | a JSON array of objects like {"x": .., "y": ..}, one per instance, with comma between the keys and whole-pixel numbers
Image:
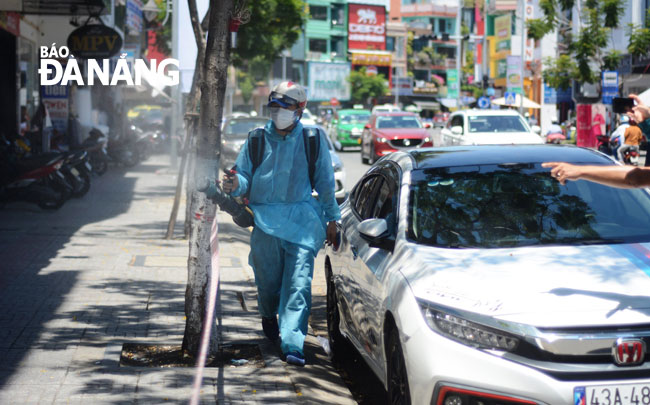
[{"x": 283, "y": 118}]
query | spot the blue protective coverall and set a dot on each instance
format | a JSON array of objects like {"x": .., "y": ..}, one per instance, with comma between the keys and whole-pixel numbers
[{"x": 289, "y": 227}]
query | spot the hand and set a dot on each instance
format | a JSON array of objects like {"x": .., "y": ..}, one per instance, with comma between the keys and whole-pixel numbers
[
  {"x": 332, "y": 234},
  {"x": 230, "y": 182},
  {"x": 563, "y": 171},
  {"x": 640, "y": 112}
]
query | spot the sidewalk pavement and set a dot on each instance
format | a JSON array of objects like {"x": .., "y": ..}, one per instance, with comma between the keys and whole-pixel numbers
[{"x": 78, "y": 283}]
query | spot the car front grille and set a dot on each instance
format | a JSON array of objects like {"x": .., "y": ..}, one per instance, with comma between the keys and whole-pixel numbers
[
  {"x": 405, "y": 142},
  {"x": 582, "y": 354}
]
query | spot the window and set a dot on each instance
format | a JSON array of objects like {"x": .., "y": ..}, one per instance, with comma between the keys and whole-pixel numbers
[
  {"x": 338, "y": 46},
  {"x": 390, "y": 43},
  {"x": 338, "y": 15},
  {"x": 318, "y": 45},
  {"x": 495, "y": 123},
  {"x": 442, "y": 25},
  {"x": 457, "y": 121},
  {"x": 318, "y": 13},
  {"x": 364, "y": 196}
]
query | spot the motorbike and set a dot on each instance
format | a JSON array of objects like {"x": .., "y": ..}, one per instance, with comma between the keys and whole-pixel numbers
[
  {"x": 122, "y": 149},
  {"x": 77, "y": 171},
  {"x": 605, "y": 145},
  {"x": 35, "y": 179},
  {"x": 95, "y": 145},
  {"x": 631, "y": 156}
]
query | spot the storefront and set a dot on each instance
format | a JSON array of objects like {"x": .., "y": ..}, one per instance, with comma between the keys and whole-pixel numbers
[{"x": 9, "y": 106}]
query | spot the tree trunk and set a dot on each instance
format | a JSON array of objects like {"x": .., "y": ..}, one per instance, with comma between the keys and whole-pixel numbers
[{"x": 200, "y": 263}]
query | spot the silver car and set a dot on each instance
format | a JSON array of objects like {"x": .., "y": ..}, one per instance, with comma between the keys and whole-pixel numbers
[
  {"x": 234, "y": 134},
  {"x": 467, "y": 275}
]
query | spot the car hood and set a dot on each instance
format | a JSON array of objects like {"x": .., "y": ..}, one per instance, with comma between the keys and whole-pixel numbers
[
  {"x": 558, "y": 286},
  {"x": 491, "y": 138},
  {"x": 393, "y": 133}
]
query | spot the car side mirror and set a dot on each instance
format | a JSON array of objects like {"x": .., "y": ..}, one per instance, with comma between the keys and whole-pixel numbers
[
  {"x": 536, "y": 129},
  {"x": 457, "y": 130},
  {"x": 367, "y": 126},
  {"x": 375, "y": 232},
  {"x": 427, "y": 125}
]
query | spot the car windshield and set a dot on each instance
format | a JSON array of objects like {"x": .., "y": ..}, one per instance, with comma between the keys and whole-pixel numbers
[
  {"x": 496, "y": 123},
  {"x": 355, "y": 118},
  {"x": 239, "y": 128},
  {"x": 493, "y": 206},
  {"x": 403, "y": 121}
]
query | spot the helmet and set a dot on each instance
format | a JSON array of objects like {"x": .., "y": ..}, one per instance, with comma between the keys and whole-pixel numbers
[{"x": 287, "y": 94}]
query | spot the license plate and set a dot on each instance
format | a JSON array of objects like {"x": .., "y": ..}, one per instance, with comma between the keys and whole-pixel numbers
[
  {"x": 620, "y": 394},
  {"x": 74, "y": 171}
]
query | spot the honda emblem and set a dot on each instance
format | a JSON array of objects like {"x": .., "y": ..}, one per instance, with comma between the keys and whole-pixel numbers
[
  {"x": 628, "y": 352},
  {"x": 407, "y": 142}
]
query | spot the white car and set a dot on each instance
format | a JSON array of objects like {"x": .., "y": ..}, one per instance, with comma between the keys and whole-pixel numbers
[
  {"x": 467, "y": 275},
  {"x": 337, "y": 165},
  {"x": 385, "y": 108},
  {"x": 488, "y": 127},
  {"x": 307, "y": 118}
]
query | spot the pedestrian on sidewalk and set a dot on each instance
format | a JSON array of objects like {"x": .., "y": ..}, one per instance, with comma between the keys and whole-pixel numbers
[
  {"x": 614, "y": 176},
  {"x": 290, "y": 225}
]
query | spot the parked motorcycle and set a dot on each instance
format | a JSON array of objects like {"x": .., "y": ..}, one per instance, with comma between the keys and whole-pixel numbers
[
  {"x": 35, "y": 179},
  {"x": 77, "y": 171},
  {"x": 122, "y": 149},
  {"x": 95, "y": 145}
]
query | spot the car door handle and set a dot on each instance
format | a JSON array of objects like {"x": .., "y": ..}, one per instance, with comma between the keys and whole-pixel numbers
[{"x": 355, "y": 252}]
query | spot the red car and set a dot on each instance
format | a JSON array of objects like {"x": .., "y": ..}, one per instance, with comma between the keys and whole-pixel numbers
[{"x": 390, "y": 132}]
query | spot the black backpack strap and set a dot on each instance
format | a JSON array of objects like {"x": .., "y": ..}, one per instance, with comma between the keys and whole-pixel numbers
[
  {"x": 311, "y": 138},
  {"x": 256, "y": 148}
]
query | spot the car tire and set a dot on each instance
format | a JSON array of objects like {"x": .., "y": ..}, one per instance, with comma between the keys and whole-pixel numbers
[
  {"x": 336, "y": 340},
  {"x": 364, "y": 159},
  {"x": 398, "y": 385}
]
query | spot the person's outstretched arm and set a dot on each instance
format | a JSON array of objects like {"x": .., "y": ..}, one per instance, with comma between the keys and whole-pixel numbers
[{"x": 614, "y": 176}]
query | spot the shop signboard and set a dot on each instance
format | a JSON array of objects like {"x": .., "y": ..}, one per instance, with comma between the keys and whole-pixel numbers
[
  {"x": 405, "y": 85},
  {"x": 329, "y": 80},
  {"x": 513, "y": 74},
  {"x": 55, "y": 99},
  {"x": 554, "y": 96},
  {"x": 366, "y": 27},
  {"x": 609, "y": 86},
  {"x": 452, "y": 84},
  {"x": 134, "y": 16},
  {"x": 503, "y": 32},
  {"x": 94, "y": 42}
]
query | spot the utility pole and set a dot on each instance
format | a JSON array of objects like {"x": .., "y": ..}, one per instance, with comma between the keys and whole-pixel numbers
[
  {"x": 484, "y": 68},
  {"x": 176, "y": 94}
]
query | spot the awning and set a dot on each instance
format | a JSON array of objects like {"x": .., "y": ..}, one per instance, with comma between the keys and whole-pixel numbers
[
  {"x": 427, "y": 105},
  {"x": 528, "y": 103},
  {"x": 55, "y": 7}
]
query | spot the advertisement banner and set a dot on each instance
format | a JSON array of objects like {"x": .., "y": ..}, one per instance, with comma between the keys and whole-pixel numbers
[
  {"x": 503, "y": 32},
  {"x": 609, "y": 86},
  {"x": 513, "y": 74},
  {"x": 55, "y": 98},
  {"x": 554, "y": 96},
  {"x": 329, "y": 80},
  {"x": 134, "y": 16},
  {"x": 366, "y": 27},
  {"x": 452, "y": 83},
  {"x": 583, "y": 126}
]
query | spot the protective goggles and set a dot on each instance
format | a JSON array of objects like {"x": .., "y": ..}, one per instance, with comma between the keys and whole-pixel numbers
[{"x": 281, "y": 99}]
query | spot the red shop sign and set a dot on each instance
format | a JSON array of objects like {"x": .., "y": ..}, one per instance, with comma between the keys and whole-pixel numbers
[{"x": 366, "y": 27}]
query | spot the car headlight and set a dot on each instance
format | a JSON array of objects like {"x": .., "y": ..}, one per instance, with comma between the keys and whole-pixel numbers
[
  {"x": 467, "y": 332},
  {"x": 427, "y": 139},
  {"x": 381, "y": 139}
]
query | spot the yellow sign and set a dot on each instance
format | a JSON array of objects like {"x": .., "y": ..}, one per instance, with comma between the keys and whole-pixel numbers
[
  {"x": 503, "y": 27},
  {"x": 371, "y": 59}
]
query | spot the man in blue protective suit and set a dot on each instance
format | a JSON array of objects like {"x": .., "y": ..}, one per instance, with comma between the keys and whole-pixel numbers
[{"x": 290, "y": 225}]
